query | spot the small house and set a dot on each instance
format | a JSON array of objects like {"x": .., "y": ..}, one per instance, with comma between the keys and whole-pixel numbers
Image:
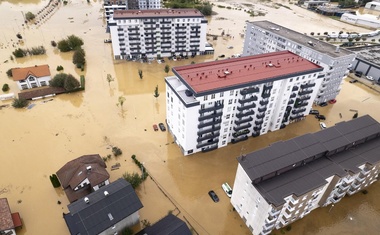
[{"x": 32, "y": 77}]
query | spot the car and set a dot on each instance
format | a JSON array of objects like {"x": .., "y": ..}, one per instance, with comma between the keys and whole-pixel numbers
[
  {"x": 230, "y": 47},
  {"x": 162, "y": 126},
  {"x": 314, "y": 111},
  {"x": 107, "y": 41},
  {"x": 213, "y": 196},
  {"x": 155, "y": 127},
  {"x": 353, "y": 81},
  {"x": 358, "y": 73},
  {"x": 369, "y": 78},
  {"x": 320, "y": 117},
  {"x": 322, "y": 125},
  {"x": 333, "y": 101},
  {"x": 323, "y": 104},
  {"x": 222, "y": 56},
  {"x": 227, "y": 189}
]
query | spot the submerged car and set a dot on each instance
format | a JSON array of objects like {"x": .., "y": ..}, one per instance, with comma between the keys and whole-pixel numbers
[
  {"x": 314, "y": 111},
  {"x": 320, "y": 117},
  {"x": 323, "y": 104},
  {"x": 213, "y": 196},
  {"x": 227, "y": 189},
  {"x": 162, "y": 126},
  {"x": 369, "y": 78},
  {"x": 322, "y": 125}
]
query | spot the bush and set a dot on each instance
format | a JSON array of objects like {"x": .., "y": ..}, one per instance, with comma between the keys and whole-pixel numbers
[
  {"x": 63, "y": 46},
  {"x": 79, "y": 57},
  {"x": 134, "y": 179},
  {"x": 54, "y": 180},
  {"x": 71, "y": 83},
  {"x": 116, "y": 151},
  {"x": 19, "y": 103},
  {"x": 19, "y": 53},
  {"x": 127, "y": 231},
  {"x": 53, "y": 43},
  {"x": 288, "y": 228},
  {"x": 29, "y": 16},
  {"x": 58, "y": 80},
  {"x": 37, "y": 50},
  {"x": 74, "y": 42},
  {"x": 9, "y": 72},
  {"x": 59, "y": 68},
  {"x": 364, "y": 191},
  {"x": 5, "y": 87}
]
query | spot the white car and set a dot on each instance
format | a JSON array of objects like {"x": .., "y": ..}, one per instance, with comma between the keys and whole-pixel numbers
[
  {"x": 322, "y": 125},
  {"x": 227, "y": 189},
  {"x": 369, "y": 78}
]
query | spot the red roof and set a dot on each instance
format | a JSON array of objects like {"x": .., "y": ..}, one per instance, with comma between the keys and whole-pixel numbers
[
  {"x": 6, "y": 221},
  {"x": 37, "y": 71},
  {"x": 159, "y": 13},
  {"x": 16, "y": 220},
  {"x": 208, "y": 76}
]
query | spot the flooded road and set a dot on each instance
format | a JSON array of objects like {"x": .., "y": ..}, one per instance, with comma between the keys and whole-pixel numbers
[{"x": 36, "y": 142}]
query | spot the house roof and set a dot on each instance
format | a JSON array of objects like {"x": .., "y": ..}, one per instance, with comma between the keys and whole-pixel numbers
[
  {"x": 40, "y": 92},
  {"x": 169, "y": 225},
  {"x": 37, "y": 71},
  {"x": 6, "y": 221},
  {"x": 299, "y": 165},
  {"x": 75, "y": 171},
  {"x": 156, "y": 13},
  {"x": 102, "y": 212},
  {"x": 244, "y": 71}
]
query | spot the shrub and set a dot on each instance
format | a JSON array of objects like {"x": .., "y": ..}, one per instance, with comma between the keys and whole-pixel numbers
[
  {"x": 134, "y": 179},
  {"x": 127, "y": 231},
  {"x": 71, "y": 83},
  {"x": 79, "y": 57},
  {"x": 29, "y": 16},
  {"x": 63, "y": 46},
  {"x": 65, "y": 2},
  {"x": 40, "y": 50},
  {"x": 53, "y": 43},
  {"x": 19, "y": 103},
  {"x": 116, "y": 151},
  {"x": 54, "y": 180},
  {"x": 19, "y": 53},
  {"x": 74, "y": 42},
  {"x": 288, "y": 228},
  {"x": 9, "y": 72},
  {"x": 19, "y": 36},
  {"x": 58, "y": 80},
  {"x": 5, "y": 87},
  {"x": 59, "y": 68}
]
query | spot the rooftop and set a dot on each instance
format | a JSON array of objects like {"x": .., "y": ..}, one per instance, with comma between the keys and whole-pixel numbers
[
  {"x": 244, "y": 71},
  {"x": 156, "y": 13},
  {"x": 102, "y": 211},
  {"x": 371, "y": 54},
  {"x": 37, "y": 71},
  {"x": 302, "y": 39},
  {"x": 169, "y": 225},
  {"x": 6, "y": 221},
  {"x": 302, "y": 161}
]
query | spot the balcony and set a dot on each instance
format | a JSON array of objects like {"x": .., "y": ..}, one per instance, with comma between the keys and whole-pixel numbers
[
  {"x": 296, "y": 117},
  {"x": 268, "y": 227},
  {"x": 261, "y": 110},
  {"x": 359, "y": 179},
  {"x": 305, "y": 97},
  {"x": 365, "y": 171},
  {"x": 291, "y": 101},
  {"x": 255, "y": 134},
  {"x": 210, "y": 109},
  {"x": 298, "y": 111},
  {"x": 257, "y": 128},
  {"x": 335, "y": 199},
  {"x": 246, "y": 126},
  {"x": 344, "y": 187},
  {"x": 253, "y": 105},
  {"x": 270, "y": 220},
  {"x": 274, "y": 212},
  {"x": 250, "y": 99},
  {"x": 265, "y": 95},
  {"x": 238, "y": 122},
  {"x": 355, "y": 185},
  {"x": 260, "y": 116},
  {"x": 259, "y": 122},
  {"x": 304, "y": 86},
  {"x": 264, "y": 102},
  {"x": 295, "y": 88},
  {"x": 305, "y": 92},
  {"x": 301, "y": 104},
  {"x": 249, "y": 90},
  {"x": 241, "y": 138},
  {"x": 208, "y": 136},
  {"x": 209, "y": 123},
  {"x": 210, "y": 148},
  {"x": 239, "y": 133},
  {"x": 348, "y": 181},
  {"x": 293, "y": 95},
  {"x": 339, "y": 193},
  {"x": 214, "y": 128},
  {"x": 248, "y": 113},
  {"x": 209, "y": 142},
  {"x": 287, "y": 214}
]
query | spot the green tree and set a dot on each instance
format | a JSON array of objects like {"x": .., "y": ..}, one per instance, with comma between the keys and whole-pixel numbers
[
  {"x": 5, "y": 87},
  {"x": 63, "y": 46},
  {"x": 109, "y": 79},
  {"x": 167, "y": 69},
  {"x": 19, "y": 103},
  {"x": 121, "y": 101},
  {"x": 29, "y": 16},
  {"x": 18, "y": 53},
  {"x": 58, "y": 80},
  {"x": 74, "y": 42},
  {"x": 156, "y": 94},
  {"x": 140, "y": 74},
  {"x": 79, "y": 57},
  {"x": 134, "y": 179},
  {"x": 71, "y": 83},
  {"x": 9, "y": 72},
  {"x": 205, "y": 9}
]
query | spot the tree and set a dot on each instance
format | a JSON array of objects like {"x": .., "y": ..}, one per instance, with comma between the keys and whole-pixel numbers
[
  {"x": 9, "y": 72},
  {"x": 71, "y": 83},
  {"x": 156, "y": 94},
  {"x": 18, "y": 53},
  {"x": 121, "y": 101},
  {"x": 167, "y": 69},
  {"x": 134, "y": 179},
  {"x": 79, "y": 57},
  {"x": 109, "y": 79},
  {"x": 5, "y": 87},
  {"x": 140, "y": 74},
  {"x": 64, "y": 46},
  {"x": 19, "y": 103},
  {"x": 58, "y": 80},
  {"x": 29, "y": 16},
  {"x": 205, "y": 9},
  {"x": 312, "y": 33},
  {"x": 74, "y": 42}
]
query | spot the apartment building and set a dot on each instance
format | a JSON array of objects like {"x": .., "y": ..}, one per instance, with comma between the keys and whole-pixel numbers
[
  {"x": 264, "y": 36},
  {"x": 284, "y": 182},
  {"x": 112, "y": 5},
  {"x": 209, "y": 105},
  {"x": 162, "y": 32}
]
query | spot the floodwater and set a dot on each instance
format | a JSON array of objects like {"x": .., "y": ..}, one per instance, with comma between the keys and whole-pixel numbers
[{"x": 36, "y": 142}]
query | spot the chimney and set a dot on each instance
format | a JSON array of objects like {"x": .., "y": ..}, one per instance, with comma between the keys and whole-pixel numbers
[{"x": 86, "y": 200}]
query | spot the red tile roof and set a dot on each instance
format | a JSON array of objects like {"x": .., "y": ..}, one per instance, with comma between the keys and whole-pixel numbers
[
  {"x": 37, "y": 71},
  {"x": 6, "y": 221},
  {"x": 16, "y": 220},
  {"x": 132, "y": 14},
  {"x": 40, "y": 92},
  {"x": 209, "y": 76}
]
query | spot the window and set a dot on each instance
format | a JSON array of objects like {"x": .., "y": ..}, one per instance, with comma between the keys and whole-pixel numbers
[
  {"x": 205, "y": 98},
  {"x": 221, "y": 94},
  {"x": 213, "y": 96}
]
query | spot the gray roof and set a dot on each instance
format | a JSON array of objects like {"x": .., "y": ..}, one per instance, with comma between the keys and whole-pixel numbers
[
  {"x": 302, "y": 161},
  {"x": 169, "y": 225},
  {"x": 95, "y": 216},
  {"x": 302, "y": 39}
]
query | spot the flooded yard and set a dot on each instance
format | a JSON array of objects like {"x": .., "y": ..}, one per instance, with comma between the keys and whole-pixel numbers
[{"x": 36, "y": 142}]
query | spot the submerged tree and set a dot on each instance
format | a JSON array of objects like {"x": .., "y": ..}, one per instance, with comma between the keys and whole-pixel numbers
[
  {"x": 109, "y": 79},
  {"x": 156, "y": 94},
  {"x": 140, "y": 74},
  {"x": 167, "y": 69},
  {"x": 121, "y": 101},
  {"x": 79, "y": 57}
]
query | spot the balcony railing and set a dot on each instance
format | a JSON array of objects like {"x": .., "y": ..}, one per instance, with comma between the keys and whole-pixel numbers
[
  {"x": 304, "y": 86},
  {"x": 211, "y": 115},
  {"x": 208, "y": 136},
  {"x": 246, "y": 126},
  {"x": 293, "y": 95},
  {"x": 210, "y": 109},
  {"x": 260, "y": 116},
  {"x": 209, "y": 123},
  {"x": 264, "y": 102},
  {"x": 305, "y": 92},
  {"x": 298, "y": 111},
  {"x": 250, "y": 99},
  {"x": 343, "y": 187},
  {"x": 261, "y": 110},
  {"x": 210, "y": 148},
  {"x": 291, "y": 101},
  {"x": 242, "y": 114},
  {"x": 201, "y": 145},
  {"x": 296, "y": 117},
  {"x": 259, "y": 122},
  {"x": 253, "y": 105},
  {"x": 241, "y": 138},
  {"x": 249, "y": 90},
  {"x": 295, "y": 88},
  {"x": 238, "y": 122},
  {"x": 257, "y": 128},
  {"x": 274, "y": 213},
  {"x": 214, "y": 128},
  {"x": 255, "y": 133}
]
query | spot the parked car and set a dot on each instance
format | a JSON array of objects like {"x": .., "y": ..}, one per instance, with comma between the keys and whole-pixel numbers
[
  {"x": 222, "y": 56},
  {"x": 353, "y": 81},
  {"x": 323, "y": 104},
  {"x": 230, "y": 47},
  {"x": 320, "y": 117},
  {"x": 322, "y": 125},
  {"x": 155, "y": 127},
  {"x": 227, "y": 189},
  {"x": 369, "y": 78},
  {"x": 162, "y": 126},
  {"x": 107, "y": 40},
  {"x": 358, "y": 73},
  {"x": 333, "y": 101},
  {"x": 314, "y": 111},
  {"x": 213, "y": 196}
]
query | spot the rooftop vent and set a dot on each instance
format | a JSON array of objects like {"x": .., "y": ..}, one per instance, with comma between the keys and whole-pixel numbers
[
  {"x": 86, "y": 200},
  {"x": 226, "y": 72},
  {"x": 106, "y": 193},
  {"x": 270, "y": 65},
  {"x": 188, "y": 93},
  {"x": 89, "y": 168}
]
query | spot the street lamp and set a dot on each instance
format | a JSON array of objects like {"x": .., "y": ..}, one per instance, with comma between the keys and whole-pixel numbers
[{"x": 331, "y": 207}]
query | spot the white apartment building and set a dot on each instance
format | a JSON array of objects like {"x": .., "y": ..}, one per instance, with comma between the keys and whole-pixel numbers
[
  {"x": 284, "y": 182},
  {"x": 111, "y": 5},
  {"x": 264, "y": 36},
  {"x": 209, "y": 105},
  {"x": 162, "y": 32}
]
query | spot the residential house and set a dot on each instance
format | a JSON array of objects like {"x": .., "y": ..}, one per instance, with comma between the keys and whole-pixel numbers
[
  {"x": 83, "y": 175},
  {"x": 8, "y": 221},
  {"x": 31, "y": 77},
  {"x": 106, "y": 211},
  {"x": 169, "y": 225},
  {"x": 209, "y": 105},
  {"x": 284, "y": 182}
]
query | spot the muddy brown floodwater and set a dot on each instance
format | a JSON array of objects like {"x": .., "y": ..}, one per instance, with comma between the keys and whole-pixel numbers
[{"x": 36, "y": 142}]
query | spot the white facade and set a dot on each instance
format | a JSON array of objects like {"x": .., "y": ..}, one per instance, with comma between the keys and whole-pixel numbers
[
  {"x": 32, "y": 82},
  {"x": 363, "y": 20},
  {"x": 149, "y": 4},
  {"x": 372, "y": 6},
  {"x": 206, "y": 122},
  {"x": 263, "y": 37},
  {"x": 151, "y": 33}
]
